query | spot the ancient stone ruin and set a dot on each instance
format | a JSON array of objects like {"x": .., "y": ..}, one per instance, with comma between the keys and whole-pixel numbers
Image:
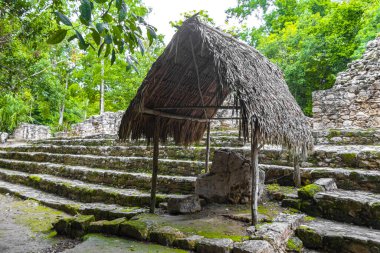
[
  {"x": 31, "y": 132},
  {"x": 228, "y": 180},
  {"x": 354, "y": 100},
  {"x": 107, "y": 123}
]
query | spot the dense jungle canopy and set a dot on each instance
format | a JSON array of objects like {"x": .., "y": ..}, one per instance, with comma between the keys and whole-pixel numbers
[{"x": 63, "y": 61}]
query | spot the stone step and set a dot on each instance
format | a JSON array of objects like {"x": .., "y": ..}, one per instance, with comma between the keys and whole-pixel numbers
[
  {"x": 120, "y": 179},
  {"x": 329, "y": 236},
  {"x": 99, "y": 210},
  {"x": 84, "y": 192},
  {"x": 129, "y": 164},
  {"x": 357, "y": 207},
  {"x": 347, "y": 179},
  {"x": 217, "y": 141},
  {"x": 347, "y": 137},
  {"x": 366, "y": 157}
]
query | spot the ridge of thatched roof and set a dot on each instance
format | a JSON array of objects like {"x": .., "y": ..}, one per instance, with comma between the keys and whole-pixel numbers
[{"x": 202, "y": 66}]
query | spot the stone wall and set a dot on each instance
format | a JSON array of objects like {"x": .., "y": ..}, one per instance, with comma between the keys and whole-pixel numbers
[
  {"x": 106, "y": 123},
  {"x": 354, "y": 100},
  {"x": 3, "y": 137},
  {"x": 31, "y": 132}
]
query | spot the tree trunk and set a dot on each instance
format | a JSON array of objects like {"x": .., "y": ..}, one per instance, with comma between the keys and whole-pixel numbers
[
  {"x": 297, "y": 172},
  {"x": 255, "y": 173},
  {"x": 62, "y": 109},
  {"x": 156, "y": 140},
  {"x": 208, "y": 146},
  {"x": 102, "y": 88}
]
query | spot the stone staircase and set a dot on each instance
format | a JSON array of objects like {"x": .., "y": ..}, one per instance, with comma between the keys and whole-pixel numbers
[{"x": 108, "y": 179}]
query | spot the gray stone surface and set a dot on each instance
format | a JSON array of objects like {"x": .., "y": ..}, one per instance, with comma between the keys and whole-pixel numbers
[
  {"x": 215, "y": 246},
  {"x": 228, "y": 180},
  {"x": 99, "y": 210},
  {"x": 278, "y": 232},
  {"x": 116, "y": 178},
  {"x": 328, "y": 184},
  {"x": 189, "y": 204},
  {"x": 31, "y": 132},
  {"x": 253, "y": 246},
  {"x": 358, "y": 207},
  {"x": 82, "y": 191},
  {"x": 339, "y": 237},
  {"x": 354, "y": 100},
  {"x": 3, "y": 137}
]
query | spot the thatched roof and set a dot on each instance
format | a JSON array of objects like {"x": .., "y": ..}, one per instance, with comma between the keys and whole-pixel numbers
[{"x": 201, "y": 66}]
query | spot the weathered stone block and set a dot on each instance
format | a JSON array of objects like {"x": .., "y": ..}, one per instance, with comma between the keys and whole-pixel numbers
[
  {"x": 328, "y": 184},
  {"x": 215, "y": 246},
  {"x": 135, "y": 229},
  {"x": 253, "y": 246},
  {"x": 229, "y": 179},
  {"x": 165, "y": 235},
  {"x": 188, "y": 243},
  {"x": 189, "y": 204},
  {"x": 308, "y": 191},
  {"x": 112, "y": 227}
]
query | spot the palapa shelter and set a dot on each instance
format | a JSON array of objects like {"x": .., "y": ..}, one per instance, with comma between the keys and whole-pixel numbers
[{"x": 189, "y": 82}]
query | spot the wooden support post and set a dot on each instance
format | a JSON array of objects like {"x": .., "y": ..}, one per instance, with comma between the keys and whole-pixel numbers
[
  {"x": 297, "y": 172},
  {"x": 156, "y": 142},
  {"x": 255, "y": 173},
  {"x": 208, "y": 146}
]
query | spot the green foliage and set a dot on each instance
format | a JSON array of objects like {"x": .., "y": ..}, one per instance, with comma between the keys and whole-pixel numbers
[
  {"x": 202, "y": 14},
  {"x": 310, "y": 40},
  {"x": 39, "y": 82},
  {"x": 13, "y": 110},
  {"x": 106, "y": 25}
]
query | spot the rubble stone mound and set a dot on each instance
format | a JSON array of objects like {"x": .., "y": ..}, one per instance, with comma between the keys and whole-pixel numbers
[{"x": 354, "y": 100}]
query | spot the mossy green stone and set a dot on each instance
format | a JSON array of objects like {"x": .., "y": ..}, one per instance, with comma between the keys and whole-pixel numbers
[
  {"x": 293, "y": 203},
  {"x": 349, "y": 159},
  {"x": 96, "y": 226},
  {"x": 294, "y": 244},
  {"x": 165, "y": 235},
  {"x": 308, "y": 191},
  {"x": 309, "y": 237},
  {"x": 135, "y": 229},
  {"x": 63, "y": 226},
  {"x": 112, "y": 226}
]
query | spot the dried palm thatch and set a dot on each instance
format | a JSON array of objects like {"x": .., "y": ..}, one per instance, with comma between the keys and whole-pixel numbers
[{"x": 199, "y": 68}]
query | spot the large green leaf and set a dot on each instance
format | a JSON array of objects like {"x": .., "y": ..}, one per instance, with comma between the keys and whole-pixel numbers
[
  {"x": 108, "y": 50},
  {"x": 100, "y": 49},
  {"x": 82, "y": 42},
  {"x": 95, "y": 35},
  {"x": 63, "y": 18},
  {"x": 113, "y": 57},
  {"x": 151, "y": 34},
  {"x": 108, "y": 39},
  {"x": 57, "y": 36},
  {"x": 85, "y": 12}
]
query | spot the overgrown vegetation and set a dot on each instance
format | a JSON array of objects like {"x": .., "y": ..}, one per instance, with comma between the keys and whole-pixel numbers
[
  {"x": 311, "y": 40},
  {"x": 100, "y": 51}
]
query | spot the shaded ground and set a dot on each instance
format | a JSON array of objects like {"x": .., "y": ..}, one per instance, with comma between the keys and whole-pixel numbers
[
  {"x": 110, "y": 244},
  {"x": 25, "y": 226}
]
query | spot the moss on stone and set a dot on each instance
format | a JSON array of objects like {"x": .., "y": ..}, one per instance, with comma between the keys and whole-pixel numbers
[
  {"x": 349, "y": 159},
  {"x": 308, "y": 191},
  {"x": 135, "y": 229},
  {"x": 294, "y": 244},
  {"x": 35, "y": 178},
  {"x": 37, "y": 217},
  {"x": 165, "y": 235},
  {"x": 309, "y": 237}
]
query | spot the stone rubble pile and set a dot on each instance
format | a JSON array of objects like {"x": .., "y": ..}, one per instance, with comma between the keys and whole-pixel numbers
[
  {"x": 31, "y": 132},
  {"x": 106, "y": 123},
  {"x": 354, "y": 100}
]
